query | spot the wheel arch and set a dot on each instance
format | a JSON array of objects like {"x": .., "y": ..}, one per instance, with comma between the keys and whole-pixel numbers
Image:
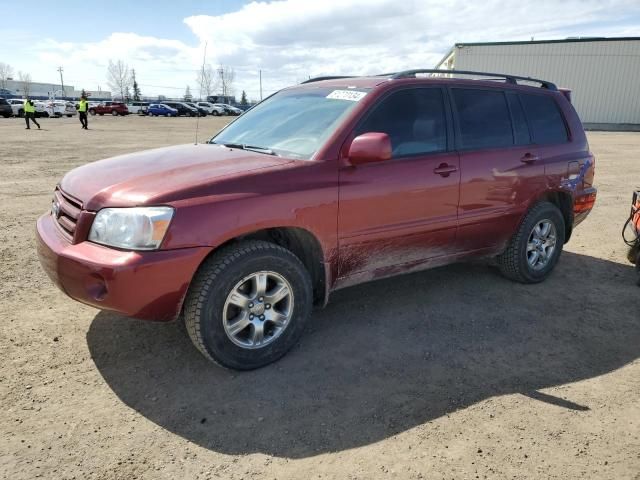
[
  {"x": 564, "y": 201},
  {"x": 303, "y": 244}
]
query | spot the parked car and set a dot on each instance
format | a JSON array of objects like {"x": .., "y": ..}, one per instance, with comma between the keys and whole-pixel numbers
[
  {"x": 242, "y": 236},
  {"x": 183, "y": 109},
  {"x": 5, "y": 108},
  {"x": 113, "y": 108},
  {"x": 160, "y": 109},
  {"x": 211, "y": 108},
  {"x": 139, "y": 108},
  {"x": 17, "y": 107},
  {"x": 59, "y": 108},
  {"x": 203, "y": 112},
  {"x": 229, "y": 110}
]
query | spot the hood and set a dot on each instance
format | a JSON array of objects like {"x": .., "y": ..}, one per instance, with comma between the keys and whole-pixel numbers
[{"x": 160, "y": 176}]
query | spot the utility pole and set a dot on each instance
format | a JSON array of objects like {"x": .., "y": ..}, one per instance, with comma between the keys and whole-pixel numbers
[
  {"x": 260, "y": 71},
  {"x": 222, "y": 82},
  {"x": 60, "y": 69}
]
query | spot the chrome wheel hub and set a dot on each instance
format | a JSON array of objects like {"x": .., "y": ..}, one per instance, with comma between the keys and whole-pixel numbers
[
  {"x": 258, "y": 309},
  {"x": 541, "y": 244}
]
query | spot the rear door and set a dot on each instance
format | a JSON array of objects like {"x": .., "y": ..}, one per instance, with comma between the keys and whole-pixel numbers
[
  {"x": 401, "y": 212},
  {"x": 501, "y": 170}
]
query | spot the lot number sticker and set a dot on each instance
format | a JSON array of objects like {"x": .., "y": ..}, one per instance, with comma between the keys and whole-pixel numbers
[{"x": 350, "y": 95}]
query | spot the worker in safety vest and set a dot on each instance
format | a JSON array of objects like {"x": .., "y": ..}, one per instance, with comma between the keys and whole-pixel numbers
[
  {"x": 83, "y": 108},
  {"x": 30, "y": 113}
]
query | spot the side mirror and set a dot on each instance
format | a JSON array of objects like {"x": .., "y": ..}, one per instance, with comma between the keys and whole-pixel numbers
[{"x": 370, "y": 148}]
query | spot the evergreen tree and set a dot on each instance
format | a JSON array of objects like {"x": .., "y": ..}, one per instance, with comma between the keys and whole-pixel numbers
[
  {"x": 187, "y": 94},
  {"x": 137, "y": 94},
  {"x": 243, "y": 98}
]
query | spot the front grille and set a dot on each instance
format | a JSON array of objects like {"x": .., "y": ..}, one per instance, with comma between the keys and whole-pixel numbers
[{"x": 67, "y": 212}]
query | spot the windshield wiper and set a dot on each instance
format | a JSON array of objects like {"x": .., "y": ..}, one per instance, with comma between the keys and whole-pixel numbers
[{"x": 253, "y": 148}]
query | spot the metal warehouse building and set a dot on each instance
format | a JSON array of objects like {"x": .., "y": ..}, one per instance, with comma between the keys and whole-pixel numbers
[{"x": 602, "y": 73}]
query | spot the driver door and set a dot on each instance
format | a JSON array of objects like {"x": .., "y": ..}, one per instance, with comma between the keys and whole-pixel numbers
[{"x": 399, "y": 214}]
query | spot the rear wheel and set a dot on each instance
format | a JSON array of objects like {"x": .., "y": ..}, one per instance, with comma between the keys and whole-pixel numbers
[
  {"x": 534, "y": 250},
  {"x": 114, "y": 113},
  {"x": 248, "y": 305},
  {"x": 92, "y": 111},
  {"x": 215, "y": 113}
]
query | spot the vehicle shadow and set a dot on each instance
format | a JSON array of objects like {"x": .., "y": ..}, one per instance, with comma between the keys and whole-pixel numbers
[{"x": 382, "y": 358}]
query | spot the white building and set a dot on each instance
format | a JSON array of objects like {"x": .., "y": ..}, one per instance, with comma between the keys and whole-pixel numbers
[
  {"x": 47, "y": 90},
  {"x": 602, "y": 73}
]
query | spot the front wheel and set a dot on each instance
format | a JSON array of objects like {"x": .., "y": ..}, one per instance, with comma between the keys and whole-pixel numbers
[
  {"x": 534, "y": 250},
  {"x": 114, "y": 113},
  {"x": 92, "y": 112},
  {"x": 248, "y": 305},
  {"x": 215, "y": 113}
]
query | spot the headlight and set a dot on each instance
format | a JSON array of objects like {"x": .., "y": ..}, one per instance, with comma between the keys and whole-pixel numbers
[{"x": 139, "y": 228}]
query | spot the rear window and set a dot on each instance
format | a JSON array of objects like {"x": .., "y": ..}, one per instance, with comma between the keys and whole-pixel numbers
[
  {"x": 544, "y": 118},
  {"x": 483, "y": 118},
  {"x": 3, "y": 102}
]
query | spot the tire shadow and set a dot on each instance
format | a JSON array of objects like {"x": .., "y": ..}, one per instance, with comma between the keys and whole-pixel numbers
[{"x": 382, "y": 358}]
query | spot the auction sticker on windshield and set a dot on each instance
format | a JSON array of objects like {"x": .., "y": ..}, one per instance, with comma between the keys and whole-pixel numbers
[{"x": 351, "y": 95}]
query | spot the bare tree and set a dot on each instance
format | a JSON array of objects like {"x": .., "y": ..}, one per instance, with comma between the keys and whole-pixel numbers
[
  {"x": 119, "y": 78},
  {"x": 226, "y": 77},
  {"x": 6, "y": 72},
  {"x": 207, "y": 81},
  {"x": 25, "y": 83}
]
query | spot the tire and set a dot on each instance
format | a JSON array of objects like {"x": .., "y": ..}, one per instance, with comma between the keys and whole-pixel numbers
[
  {"x": 21, "y": 113},
  {"x": 215, "y": 113},
  {"x": 114, "y": 113},
  {"x": 515, "y": 261},
  {"x": 207, "y": 304},
  {"x": 69, "y": 116},
  {"x": 92, "y": 112}
]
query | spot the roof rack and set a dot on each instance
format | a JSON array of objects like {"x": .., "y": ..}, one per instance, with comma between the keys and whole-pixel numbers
[
  {"x": 508, "y": 78},
  {"x": 333, "y": 77}
]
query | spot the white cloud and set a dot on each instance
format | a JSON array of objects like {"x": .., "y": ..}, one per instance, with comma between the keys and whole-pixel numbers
[{"x": 292, "y": 39}]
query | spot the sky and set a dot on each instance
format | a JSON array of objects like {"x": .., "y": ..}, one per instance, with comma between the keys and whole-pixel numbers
[{"x": 288, "y": 40}]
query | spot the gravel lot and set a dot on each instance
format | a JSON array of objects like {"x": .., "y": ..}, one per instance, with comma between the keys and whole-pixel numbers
[{"x": 450, "y": 373}]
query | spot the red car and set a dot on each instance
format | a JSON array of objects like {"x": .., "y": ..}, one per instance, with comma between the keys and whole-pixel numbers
[
  {"x": 321, "y": 186},
  {"x": 110, "y": 108}
]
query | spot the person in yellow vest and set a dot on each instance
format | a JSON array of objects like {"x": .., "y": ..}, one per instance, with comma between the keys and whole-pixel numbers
[
  {"x": 30, "y": 113},
  {"x": 83, "y": 107}
]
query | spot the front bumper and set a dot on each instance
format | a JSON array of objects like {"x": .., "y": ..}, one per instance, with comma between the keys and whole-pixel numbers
[{"x": 145, "y": 285}]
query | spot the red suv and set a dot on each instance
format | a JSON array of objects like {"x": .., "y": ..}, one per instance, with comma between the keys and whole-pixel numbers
[
  {"x": 113, "y": 108},
  {"x": 322, "y": 185}
]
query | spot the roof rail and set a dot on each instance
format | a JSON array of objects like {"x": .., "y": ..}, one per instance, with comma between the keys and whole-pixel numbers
[
  {"x": 331, "y": 77},
  {"x": 507, "y": 77}
]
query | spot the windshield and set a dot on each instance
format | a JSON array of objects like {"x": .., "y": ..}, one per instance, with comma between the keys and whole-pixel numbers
[{"x": 292, "y": 123}]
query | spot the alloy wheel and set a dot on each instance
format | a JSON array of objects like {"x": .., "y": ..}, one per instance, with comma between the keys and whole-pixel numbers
[{"x": 258, "y": 309}]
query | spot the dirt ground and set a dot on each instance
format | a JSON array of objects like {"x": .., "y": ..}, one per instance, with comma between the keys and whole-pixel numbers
[{"x": 452, "y": 373}]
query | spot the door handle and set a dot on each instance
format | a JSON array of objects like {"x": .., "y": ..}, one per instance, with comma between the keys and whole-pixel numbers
[
  {"x": 444, "y": 169},
  {"x": 529, "y": 158}
]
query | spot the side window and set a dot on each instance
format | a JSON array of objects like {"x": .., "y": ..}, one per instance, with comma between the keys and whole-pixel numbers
[
  {"x": 545, "y": 119},
  {"x": 520, "y": 127},
  {"x": 414, "y": 119},
  {"x": 483, "y": 117}
]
